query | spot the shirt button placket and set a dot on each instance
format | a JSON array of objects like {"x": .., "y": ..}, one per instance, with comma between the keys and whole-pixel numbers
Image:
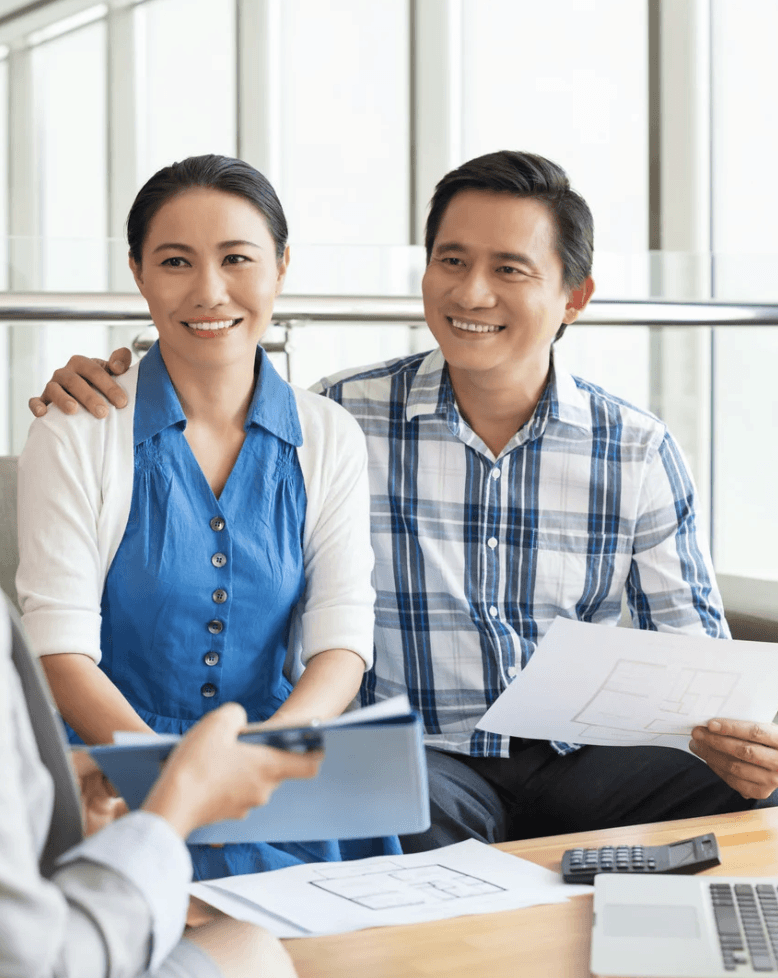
[{"x": 219, "y": 560}]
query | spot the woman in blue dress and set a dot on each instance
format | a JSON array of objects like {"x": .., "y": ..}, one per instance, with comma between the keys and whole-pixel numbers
[{"x": 196, "y": 548}]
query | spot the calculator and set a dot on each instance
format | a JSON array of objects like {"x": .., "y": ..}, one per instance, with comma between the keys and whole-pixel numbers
[{"x": 688, "y": 856}]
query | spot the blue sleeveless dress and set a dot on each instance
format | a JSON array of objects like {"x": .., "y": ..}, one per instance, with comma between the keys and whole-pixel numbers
[{"x": 198, "y": 600}]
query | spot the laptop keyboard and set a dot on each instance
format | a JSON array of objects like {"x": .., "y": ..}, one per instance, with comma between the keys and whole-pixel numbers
[{"x": 747, "y": 923}]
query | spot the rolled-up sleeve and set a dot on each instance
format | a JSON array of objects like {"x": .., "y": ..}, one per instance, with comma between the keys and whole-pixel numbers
[{"x": 671, "y": 585}]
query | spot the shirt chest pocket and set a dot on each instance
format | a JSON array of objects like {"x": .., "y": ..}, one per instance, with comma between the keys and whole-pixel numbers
[{"x": 574, "y": 578}]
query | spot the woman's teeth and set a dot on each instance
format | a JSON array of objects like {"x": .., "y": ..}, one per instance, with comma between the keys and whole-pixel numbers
[
  {"x": 475, "y": 327},
  {"x": 219, "y": 324}
]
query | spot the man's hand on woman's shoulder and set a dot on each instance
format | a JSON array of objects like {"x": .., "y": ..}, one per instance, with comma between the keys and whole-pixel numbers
[{"x": 85, "y": 381}]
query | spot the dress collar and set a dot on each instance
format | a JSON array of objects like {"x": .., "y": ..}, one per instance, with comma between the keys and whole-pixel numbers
[{"x": 273, "y": 406}]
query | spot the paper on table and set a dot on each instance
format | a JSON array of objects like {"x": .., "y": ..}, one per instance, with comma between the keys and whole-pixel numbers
[
  {"x": 596, "y": 684},
  {"x": 331, "y": 898}
]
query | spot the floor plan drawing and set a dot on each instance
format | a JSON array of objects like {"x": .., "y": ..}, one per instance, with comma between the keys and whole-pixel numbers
[
  {"x": 398, "y": 886},
  {"x": 636, "y": 699}
]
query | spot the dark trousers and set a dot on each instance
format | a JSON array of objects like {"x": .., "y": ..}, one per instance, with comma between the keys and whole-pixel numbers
[{"x": 536, "y": 792}]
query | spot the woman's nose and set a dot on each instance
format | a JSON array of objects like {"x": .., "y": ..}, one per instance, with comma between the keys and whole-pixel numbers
[{"x": 210, "y": 288}]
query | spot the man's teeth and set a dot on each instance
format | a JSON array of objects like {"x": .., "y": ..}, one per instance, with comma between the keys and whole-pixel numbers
[
  {"x": 220, "y": 324},
  {"x": 475, "y": 327}
]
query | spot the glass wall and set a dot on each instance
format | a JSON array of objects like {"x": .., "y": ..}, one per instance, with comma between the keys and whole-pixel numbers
[
  {"x": 346, "y": 105},
  {"x": 745, "y": 213}
]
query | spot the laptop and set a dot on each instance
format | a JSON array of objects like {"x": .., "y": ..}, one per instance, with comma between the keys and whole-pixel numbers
[{"x": 684, "y": 926}]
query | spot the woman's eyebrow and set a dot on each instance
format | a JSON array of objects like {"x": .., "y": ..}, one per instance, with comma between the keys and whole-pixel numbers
[
  {"x": 238, "y": 244},
  {"x": 175, "y": 246},
  {"x": 172, "y": 246}
]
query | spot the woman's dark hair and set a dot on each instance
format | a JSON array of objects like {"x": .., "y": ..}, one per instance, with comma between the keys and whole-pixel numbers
[
  {"x": 525, "y": 175},
  {"x": 213, "y": 173}
]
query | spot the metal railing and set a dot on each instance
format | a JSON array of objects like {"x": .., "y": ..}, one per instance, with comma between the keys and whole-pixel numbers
[{"x": 292, "y": 310}]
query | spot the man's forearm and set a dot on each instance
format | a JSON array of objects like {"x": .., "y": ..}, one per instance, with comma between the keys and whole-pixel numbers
[{"x": 88, "y": 700}]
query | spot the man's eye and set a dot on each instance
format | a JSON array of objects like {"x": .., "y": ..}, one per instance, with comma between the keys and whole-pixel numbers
[
  {"x": 451, "y": 261},
  {"x": 235, "y": 259},
  {"x": 511, "y": 269},
  {"x": 175, "y": 262}
]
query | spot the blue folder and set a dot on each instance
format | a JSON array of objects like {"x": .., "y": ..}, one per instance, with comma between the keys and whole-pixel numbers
[{"x": 372, "y": 782}]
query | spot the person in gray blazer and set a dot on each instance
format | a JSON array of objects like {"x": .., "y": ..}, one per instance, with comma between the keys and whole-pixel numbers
[{"x": 114, "y": 904}]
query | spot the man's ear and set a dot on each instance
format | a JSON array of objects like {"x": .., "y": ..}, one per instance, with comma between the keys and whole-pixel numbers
[
  {"x": 136, "y": 273},
  {"x": 283, "y": 266},
  {"x": 578, "y": 300}
]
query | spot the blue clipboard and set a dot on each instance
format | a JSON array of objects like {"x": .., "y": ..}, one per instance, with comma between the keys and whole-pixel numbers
[{"x": 372, "y": 782}]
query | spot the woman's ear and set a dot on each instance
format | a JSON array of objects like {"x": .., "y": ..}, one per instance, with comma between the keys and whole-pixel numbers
[
  {"x": 136, "y": 273},
  {"x": 283, "y": 265}
]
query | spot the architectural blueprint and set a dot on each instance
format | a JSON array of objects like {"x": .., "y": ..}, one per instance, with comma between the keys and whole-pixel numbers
[
  {"x": 597, "y": 684},
  {"x": 329, "y": 898}
]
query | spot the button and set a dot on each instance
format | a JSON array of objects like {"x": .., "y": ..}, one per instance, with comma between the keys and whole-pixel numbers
[
  {"x": 211, "y": 658},
  {"x": 493, "y": 611},
  {"x": 512, "y": 671},
  {"x": 219, "y": 595},
  {"x": 491, "y": 542},
  {"x": 217, "y": 523},
  {"x": 215, "y": 626},
  {"x": 208, "y": 690},
  {"x": 219, "y": 560},
  {"x": 495, "y": 473}
]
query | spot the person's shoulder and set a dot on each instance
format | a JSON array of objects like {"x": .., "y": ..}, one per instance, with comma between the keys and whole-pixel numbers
[
  {"x": 355, "y": 381},
  {"x": 82, "y": 426},
  {"x": 602, "y": 402},
  {"x": 322, "y": 417}
]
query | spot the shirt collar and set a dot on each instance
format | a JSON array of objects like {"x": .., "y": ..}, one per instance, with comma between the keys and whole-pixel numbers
[
  {"x": 562, "y": 400},
  {"x": 273, "y": 406}
]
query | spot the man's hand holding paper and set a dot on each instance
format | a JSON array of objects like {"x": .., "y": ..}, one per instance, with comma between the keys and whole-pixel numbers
[{"x": 742, "y": 753}]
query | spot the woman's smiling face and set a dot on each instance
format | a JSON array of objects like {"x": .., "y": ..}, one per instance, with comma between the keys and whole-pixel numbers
[{"x": 210, "y": 275}]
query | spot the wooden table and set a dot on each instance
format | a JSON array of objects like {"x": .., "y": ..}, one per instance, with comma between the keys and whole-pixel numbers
[{"x": 536, "y": 942}]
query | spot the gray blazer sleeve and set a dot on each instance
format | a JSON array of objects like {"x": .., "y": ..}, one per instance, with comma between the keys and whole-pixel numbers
[{"x": 115, "y": 904}]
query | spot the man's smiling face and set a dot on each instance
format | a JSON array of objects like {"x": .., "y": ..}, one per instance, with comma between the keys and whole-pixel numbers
[{"x": 493, "y": 290}]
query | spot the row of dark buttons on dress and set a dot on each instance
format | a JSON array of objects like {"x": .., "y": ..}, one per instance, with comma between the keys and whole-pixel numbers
[{"x": 219, "y": 596}]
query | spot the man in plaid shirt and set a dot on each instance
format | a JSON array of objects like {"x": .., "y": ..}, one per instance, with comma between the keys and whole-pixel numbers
[{"x": 506, "y": 492}]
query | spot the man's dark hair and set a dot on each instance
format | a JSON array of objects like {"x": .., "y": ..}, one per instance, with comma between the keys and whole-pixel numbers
[
  {"x": 212, "y": 173},
  {"x": 525, "y": 175}
]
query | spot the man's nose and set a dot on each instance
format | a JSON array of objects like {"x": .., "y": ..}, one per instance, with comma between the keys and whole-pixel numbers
[{"x": 474, "y": 289}]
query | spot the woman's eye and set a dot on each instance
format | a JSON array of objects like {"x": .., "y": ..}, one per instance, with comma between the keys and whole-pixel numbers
[
  {"x": 235, "y": 259},
  {"x": 175, "y": 262}
]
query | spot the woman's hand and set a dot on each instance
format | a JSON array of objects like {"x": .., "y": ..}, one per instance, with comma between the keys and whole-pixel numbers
[
  {"x": 86, "y": 381},
  {"x": 212, "y": 776},
  {"x": 100, "y": 801}
]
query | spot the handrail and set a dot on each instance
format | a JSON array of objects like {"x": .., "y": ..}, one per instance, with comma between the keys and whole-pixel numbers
[{"x": 298, "y": 310}]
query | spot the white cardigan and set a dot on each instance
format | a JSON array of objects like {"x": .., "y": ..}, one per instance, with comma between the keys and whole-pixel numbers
[{"x": 75, "y": 490}]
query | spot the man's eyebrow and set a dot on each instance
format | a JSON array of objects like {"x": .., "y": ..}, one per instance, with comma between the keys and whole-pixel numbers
[
  {"x": 514, "y": 257},
  {"x": 175, "y": 246},
  {"x": 454, "y": 247}
]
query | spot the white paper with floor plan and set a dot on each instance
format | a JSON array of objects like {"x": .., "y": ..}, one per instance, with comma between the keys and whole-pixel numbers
[
  {"x": 595, "y": 684},
  {"x": 331, "y": 898}
]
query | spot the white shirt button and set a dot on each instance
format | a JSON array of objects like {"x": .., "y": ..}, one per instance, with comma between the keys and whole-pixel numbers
[
  {"x": 491, "y": 542},
  {"x": 493, "y": 611},
  {"x": 511, "y": 670},
  {"x": 495, "y": 473}
]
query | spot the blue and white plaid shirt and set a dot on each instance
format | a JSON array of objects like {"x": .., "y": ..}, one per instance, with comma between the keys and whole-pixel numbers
[{"x": 476, "y": 555}]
